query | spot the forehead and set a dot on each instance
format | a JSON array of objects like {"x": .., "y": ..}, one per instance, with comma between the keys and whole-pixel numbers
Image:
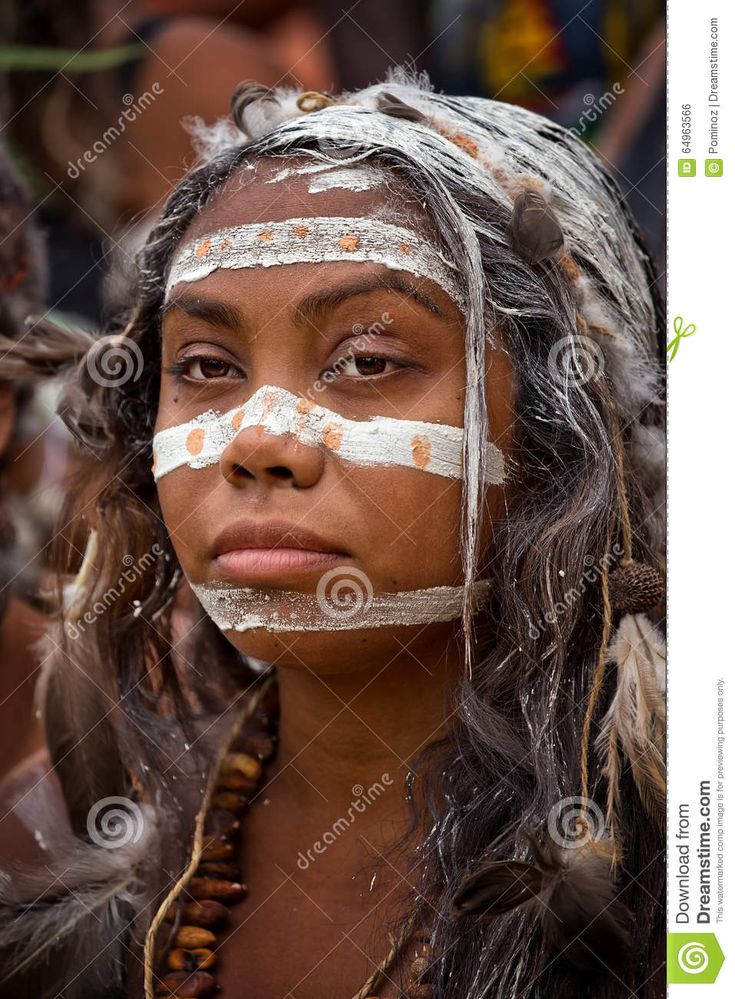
[{"x": 279, "y": 188}]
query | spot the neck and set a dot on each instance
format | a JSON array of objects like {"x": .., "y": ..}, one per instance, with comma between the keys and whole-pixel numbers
[{"x": 341, "y": 730}]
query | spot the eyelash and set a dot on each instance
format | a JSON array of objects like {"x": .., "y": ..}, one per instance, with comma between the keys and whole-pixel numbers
[{"x": 179, "y": 369}]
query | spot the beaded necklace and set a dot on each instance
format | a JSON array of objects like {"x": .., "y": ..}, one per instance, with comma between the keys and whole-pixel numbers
[{"x": 185, "y": 960}]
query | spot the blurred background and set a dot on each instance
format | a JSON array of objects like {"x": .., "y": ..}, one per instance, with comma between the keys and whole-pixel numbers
[{"x": 92, "y": 98}]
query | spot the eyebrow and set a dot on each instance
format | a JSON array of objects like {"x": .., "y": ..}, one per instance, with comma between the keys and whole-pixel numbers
[
  {"x": 211, "y": 311},
  {"x": 314, "y": 307},
  {"x": 306, "y": 313}
]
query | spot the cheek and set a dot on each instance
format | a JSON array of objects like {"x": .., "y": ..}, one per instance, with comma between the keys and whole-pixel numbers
[
  {"x": 403, "y": 526},
  {"x": 187, "y": 498}
]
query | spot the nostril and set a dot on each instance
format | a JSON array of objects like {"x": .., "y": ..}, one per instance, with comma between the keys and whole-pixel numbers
[{"x": 280, "y": 472}]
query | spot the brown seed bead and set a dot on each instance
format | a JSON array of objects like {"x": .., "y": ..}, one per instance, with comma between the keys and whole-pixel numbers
[
  {"x": 192, "y": 937},
  {"x": 190, "y": 960},
  {"x": 237, "y": 782},
  {"x": 258, "y": 744},
  {"x": 217, "y": 849},
  {"x": 228, "y": 892},
  {"x": 187, "y": 985},
  {"x": 635, "y": 587},
  {"x": 219, "y": 869},
  {"x": 207, "y": 912},
  {"x": 231, "y": 802},
  {"x": 244, "y": 764},
  {"x": 221, "y": 823}
]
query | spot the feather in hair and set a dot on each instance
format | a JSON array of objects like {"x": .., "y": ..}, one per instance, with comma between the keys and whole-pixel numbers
[
  {"x": 78, "y": 709},
  {"x": 574, "y": 893},
  {"x": 635, "y": 719},
  {"x": 44, "y": 350},
  {"x": 81, "y": 931}
]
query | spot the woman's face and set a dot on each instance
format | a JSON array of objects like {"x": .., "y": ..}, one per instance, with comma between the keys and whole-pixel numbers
[{"x": 360, "y": 339}]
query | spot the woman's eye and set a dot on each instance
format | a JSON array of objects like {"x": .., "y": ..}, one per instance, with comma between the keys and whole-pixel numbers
[
  {"x": 365, "y": 366},
  {"x": 203, "y": 368}
]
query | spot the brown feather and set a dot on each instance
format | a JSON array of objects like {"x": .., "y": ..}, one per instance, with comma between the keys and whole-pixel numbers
[
  {"x": 534, "y": 230},
  {"x": 635, "y": 721},
  {"x": 574, "y": 892}
]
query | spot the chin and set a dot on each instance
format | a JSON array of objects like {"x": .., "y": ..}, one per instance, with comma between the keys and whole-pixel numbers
[{"x": 327, "y": 653}]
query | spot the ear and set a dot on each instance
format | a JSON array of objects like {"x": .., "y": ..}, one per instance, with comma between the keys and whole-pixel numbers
[{"x": 7, "y": 414}]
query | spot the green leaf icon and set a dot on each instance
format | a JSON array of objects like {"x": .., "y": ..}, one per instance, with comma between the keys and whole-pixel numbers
[{"x": 693, "y": 958}]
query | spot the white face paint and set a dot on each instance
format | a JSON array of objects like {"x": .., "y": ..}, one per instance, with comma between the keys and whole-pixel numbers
[
  {"x": 242, "y": 609},
  {"x": 347, "y": 179},
  {"x": 379, "y": 441},
  {"x": 315, "y": 240}
]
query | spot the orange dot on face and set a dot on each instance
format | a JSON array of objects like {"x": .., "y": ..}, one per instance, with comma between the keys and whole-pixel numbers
[
  {"x": 305, "y": 405},
  {"x": 224, "y": 246},
  {"x": 349, "y": 242},
  {"x": 204, "y": 247},
  {"x": 237, "y": 420},
  {"x": 301, "y": 230},
  {"x": 404, "y": 247},
  {"x": 265, "y": 235},
  {"x": 195, "y": 441},
  {"x": 421, "y": 451},
  {"x": 332, "y": 436}
]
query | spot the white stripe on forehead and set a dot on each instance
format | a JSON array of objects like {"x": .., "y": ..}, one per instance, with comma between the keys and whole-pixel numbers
[
  {"x": 315, "y": 240},
  {"x": 244, "y": 608},
  {"x": 381, "y": 440}
]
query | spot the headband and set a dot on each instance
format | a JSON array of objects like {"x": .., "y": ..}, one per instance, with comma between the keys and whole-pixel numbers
[{"x": 315, "y": 240}]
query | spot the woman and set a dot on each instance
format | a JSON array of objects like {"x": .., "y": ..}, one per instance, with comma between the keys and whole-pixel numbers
[{"x": 467, "y": 794}]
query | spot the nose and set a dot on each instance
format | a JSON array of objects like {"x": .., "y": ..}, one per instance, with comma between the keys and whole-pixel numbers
[{"x": 272, "y": 460}]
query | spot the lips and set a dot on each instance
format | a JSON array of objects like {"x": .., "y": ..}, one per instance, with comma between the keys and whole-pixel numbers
[{"x": 276, "y": 553}]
